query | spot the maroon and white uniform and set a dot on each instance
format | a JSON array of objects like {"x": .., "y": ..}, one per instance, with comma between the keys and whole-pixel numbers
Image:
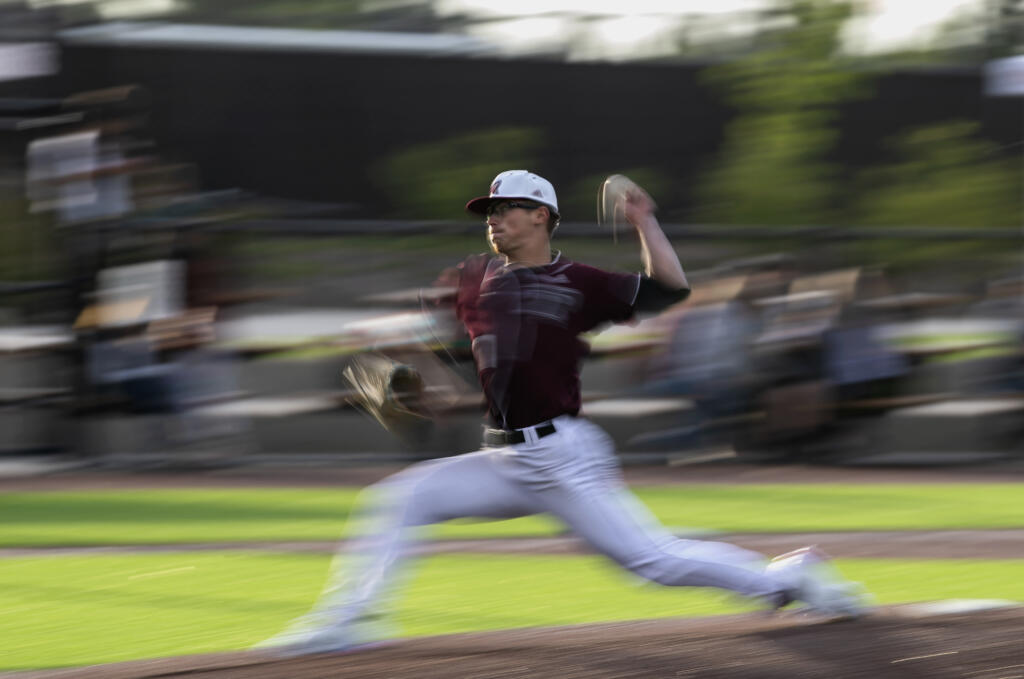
[
  {"x": 538, "y": 455},
  {"x": 525, "y": 325}
]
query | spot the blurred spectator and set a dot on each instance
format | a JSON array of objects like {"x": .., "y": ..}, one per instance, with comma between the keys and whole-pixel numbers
[
  {"x": 858, "y": 363},
  {"x": 795, "y": 396},
  {"x": 713, "y": 362},
  {"x": 147, "y": 302},
  {"x": 1001, "y": 368},
  {"x": 84, "y": 173},
  {"x": 123, "y": 366},
  {"x": 147, "y": 354},
  {"x": 707, "y": 357}
]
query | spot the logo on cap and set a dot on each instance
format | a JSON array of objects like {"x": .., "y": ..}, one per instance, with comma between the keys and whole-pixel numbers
[{"x": 495, "y": 186}]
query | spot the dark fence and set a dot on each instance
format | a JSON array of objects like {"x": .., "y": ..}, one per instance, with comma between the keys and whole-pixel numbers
[{"x": 309, "y": 125}]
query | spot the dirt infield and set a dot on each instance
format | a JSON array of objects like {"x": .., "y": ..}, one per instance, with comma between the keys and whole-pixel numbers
[
  {"x": 892, "y": 642},
  {"x": 900, "y": 641}
]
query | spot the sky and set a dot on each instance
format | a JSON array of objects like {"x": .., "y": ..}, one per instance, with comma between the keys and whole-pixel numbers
[
  {"x": 626, "y": 27},
  {"x": 623, "y": 29},
  {"x": 892, "y": 24}
]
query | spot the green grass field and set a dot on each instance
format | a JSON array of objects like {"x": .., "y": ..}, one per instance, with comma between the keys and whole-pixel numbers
[
  {"x": 87, "y": 609},
  {"x": 60, "y": 611},
  {"x": 207, "y": 515}
]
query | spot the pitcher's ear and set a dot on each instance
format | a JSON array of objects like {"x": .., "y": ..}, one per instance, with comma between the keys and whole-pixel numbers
[{"x": 542, "y": 217}]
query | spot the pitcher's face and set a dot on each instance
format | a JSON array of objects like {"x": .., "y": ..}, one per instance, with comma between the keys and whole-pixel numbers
[{"x": 513, "y": 223}]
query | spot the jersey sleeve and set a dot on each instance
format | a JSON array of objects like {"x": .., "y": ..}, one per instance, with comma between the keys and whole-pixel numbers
[
  {"x": 653, "y": 296},
  {"x": 611, "y": 296}
]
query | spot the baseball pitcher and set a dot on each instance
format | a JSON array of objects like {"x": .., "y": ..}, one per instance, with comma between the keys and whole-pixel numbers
[{"x": 524, "y": 306}]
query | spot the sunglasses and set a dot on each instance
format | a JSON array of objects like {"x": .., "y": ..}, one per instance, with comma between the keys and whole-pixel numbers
[{"x": 501, "y": 208}]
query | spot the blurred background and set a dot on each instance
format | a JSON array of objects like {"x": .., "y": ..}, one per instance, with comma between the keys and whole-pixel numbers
[{"x": 207, "y": 207}]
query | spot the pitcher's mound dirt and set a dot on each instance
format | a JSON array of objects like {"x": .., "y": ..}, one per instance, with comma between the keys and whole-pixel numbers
[{"x": 891, "y": 642}]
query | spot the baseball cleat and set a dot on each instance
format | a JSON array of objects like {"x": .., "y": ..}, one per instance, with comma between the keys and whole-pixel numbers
[
  {"x": 815, "y": 582},
  {"x": 323, "y": 640},
  {"x": 308, "y": 636}
]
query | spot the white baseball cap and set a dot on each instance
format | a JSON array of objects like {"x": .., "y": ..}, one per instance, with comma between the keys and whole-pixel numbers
[{"x": 517, "y": 184}]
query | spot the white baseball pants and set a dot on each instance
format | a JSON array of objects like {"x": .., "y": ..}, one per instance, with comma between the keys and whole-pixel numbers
[{"x": 572, "y": 474}]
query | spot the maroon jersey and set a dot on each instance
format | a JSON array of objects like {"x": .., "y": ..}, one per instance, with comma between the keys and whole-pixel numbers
[{"x": 524, "y": 324}]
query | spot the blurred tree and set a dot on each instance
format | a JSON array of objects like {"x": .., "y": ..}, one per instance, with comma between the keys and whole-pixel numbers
[
  {"x": 429, "y": 181},
  {"x": 1005, "y": 34},
  {"x": 772, "y": 167},
  {"x": 946, "y": 176}
]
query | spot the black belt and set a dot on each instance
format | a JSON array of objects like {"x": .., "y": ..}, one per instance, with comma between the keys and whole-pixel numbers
[{"x": 510, "y": 437}]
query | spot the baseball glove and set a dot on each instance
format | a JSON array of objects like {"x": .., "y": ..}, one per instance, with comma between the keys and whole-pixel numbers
[{"x": 391, "y": 392}]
